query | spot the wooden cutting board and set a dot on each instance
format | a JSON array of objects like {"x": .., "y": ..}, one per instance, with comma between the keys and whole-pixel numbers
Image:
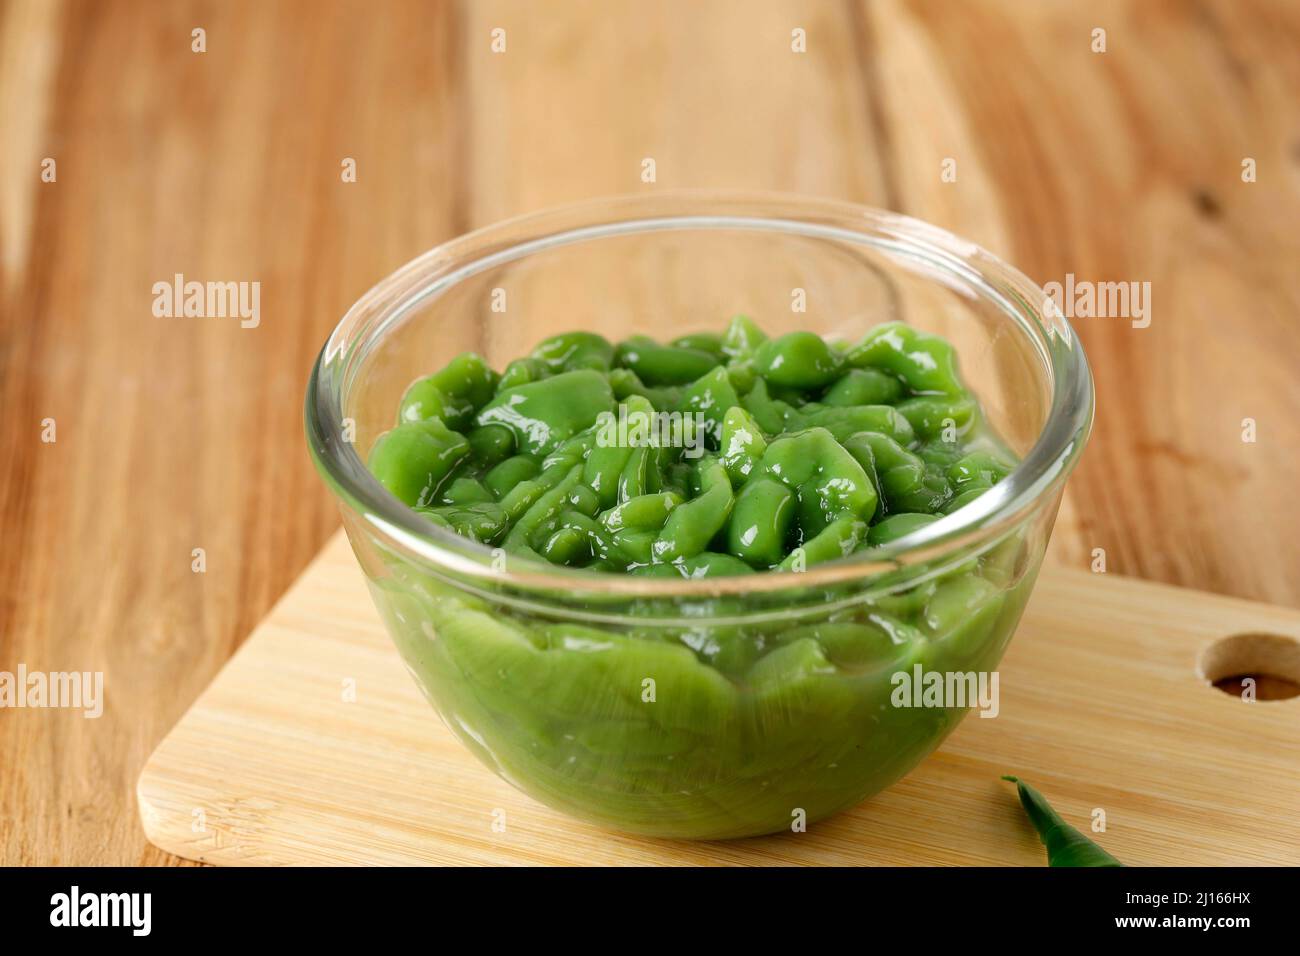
[{"x": 1102, "y": 706}]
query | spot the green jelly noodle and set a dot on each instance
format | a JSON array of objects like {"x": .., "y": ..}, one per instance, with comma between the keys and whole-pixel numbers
[{"x": 712, "y": 455}]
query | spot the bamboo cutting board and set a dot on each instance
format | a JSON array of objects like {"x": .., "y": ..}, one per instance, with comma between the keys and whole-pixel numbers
[{"x": 313, "y": 746}]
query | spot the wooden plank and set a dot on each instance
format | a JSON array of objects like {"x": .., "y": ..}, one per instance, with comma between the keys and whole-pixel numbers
[
  {"x": 1126, "y": 165},
  {"x": 278, "y": 768},
  {"x": 176, "y": 434}
]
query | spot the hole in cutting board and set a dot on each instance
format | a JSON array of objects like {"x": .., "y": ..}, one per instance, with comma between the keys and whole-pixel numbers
[{"x": 1272, "y": 661}]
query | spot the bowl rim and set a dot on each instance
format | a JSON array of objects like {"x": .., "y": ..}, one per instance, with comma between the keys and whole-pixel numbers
[{"x": 1042, "y": 469}]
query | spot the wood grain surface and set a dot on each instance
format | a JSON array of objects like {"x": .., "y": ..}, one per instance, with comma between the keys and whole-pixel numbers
[
  {"x": 177, "y": 434},
  {"x": 314, "y": 747}
]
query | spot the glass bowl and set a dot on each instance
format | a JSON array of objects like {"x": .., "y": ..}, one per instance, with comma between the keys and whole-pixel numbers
[{"x": 720, "y": 707}]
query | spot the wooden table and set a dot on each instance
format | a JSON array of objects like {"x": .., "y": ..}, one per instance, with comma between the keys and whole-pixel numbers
[{"x": 175, "y": 434}]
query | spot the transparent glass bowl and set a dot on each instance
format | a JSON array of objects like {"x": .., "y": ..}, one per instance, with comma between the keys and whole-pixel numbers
[{"x": 721, "y": 707}]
